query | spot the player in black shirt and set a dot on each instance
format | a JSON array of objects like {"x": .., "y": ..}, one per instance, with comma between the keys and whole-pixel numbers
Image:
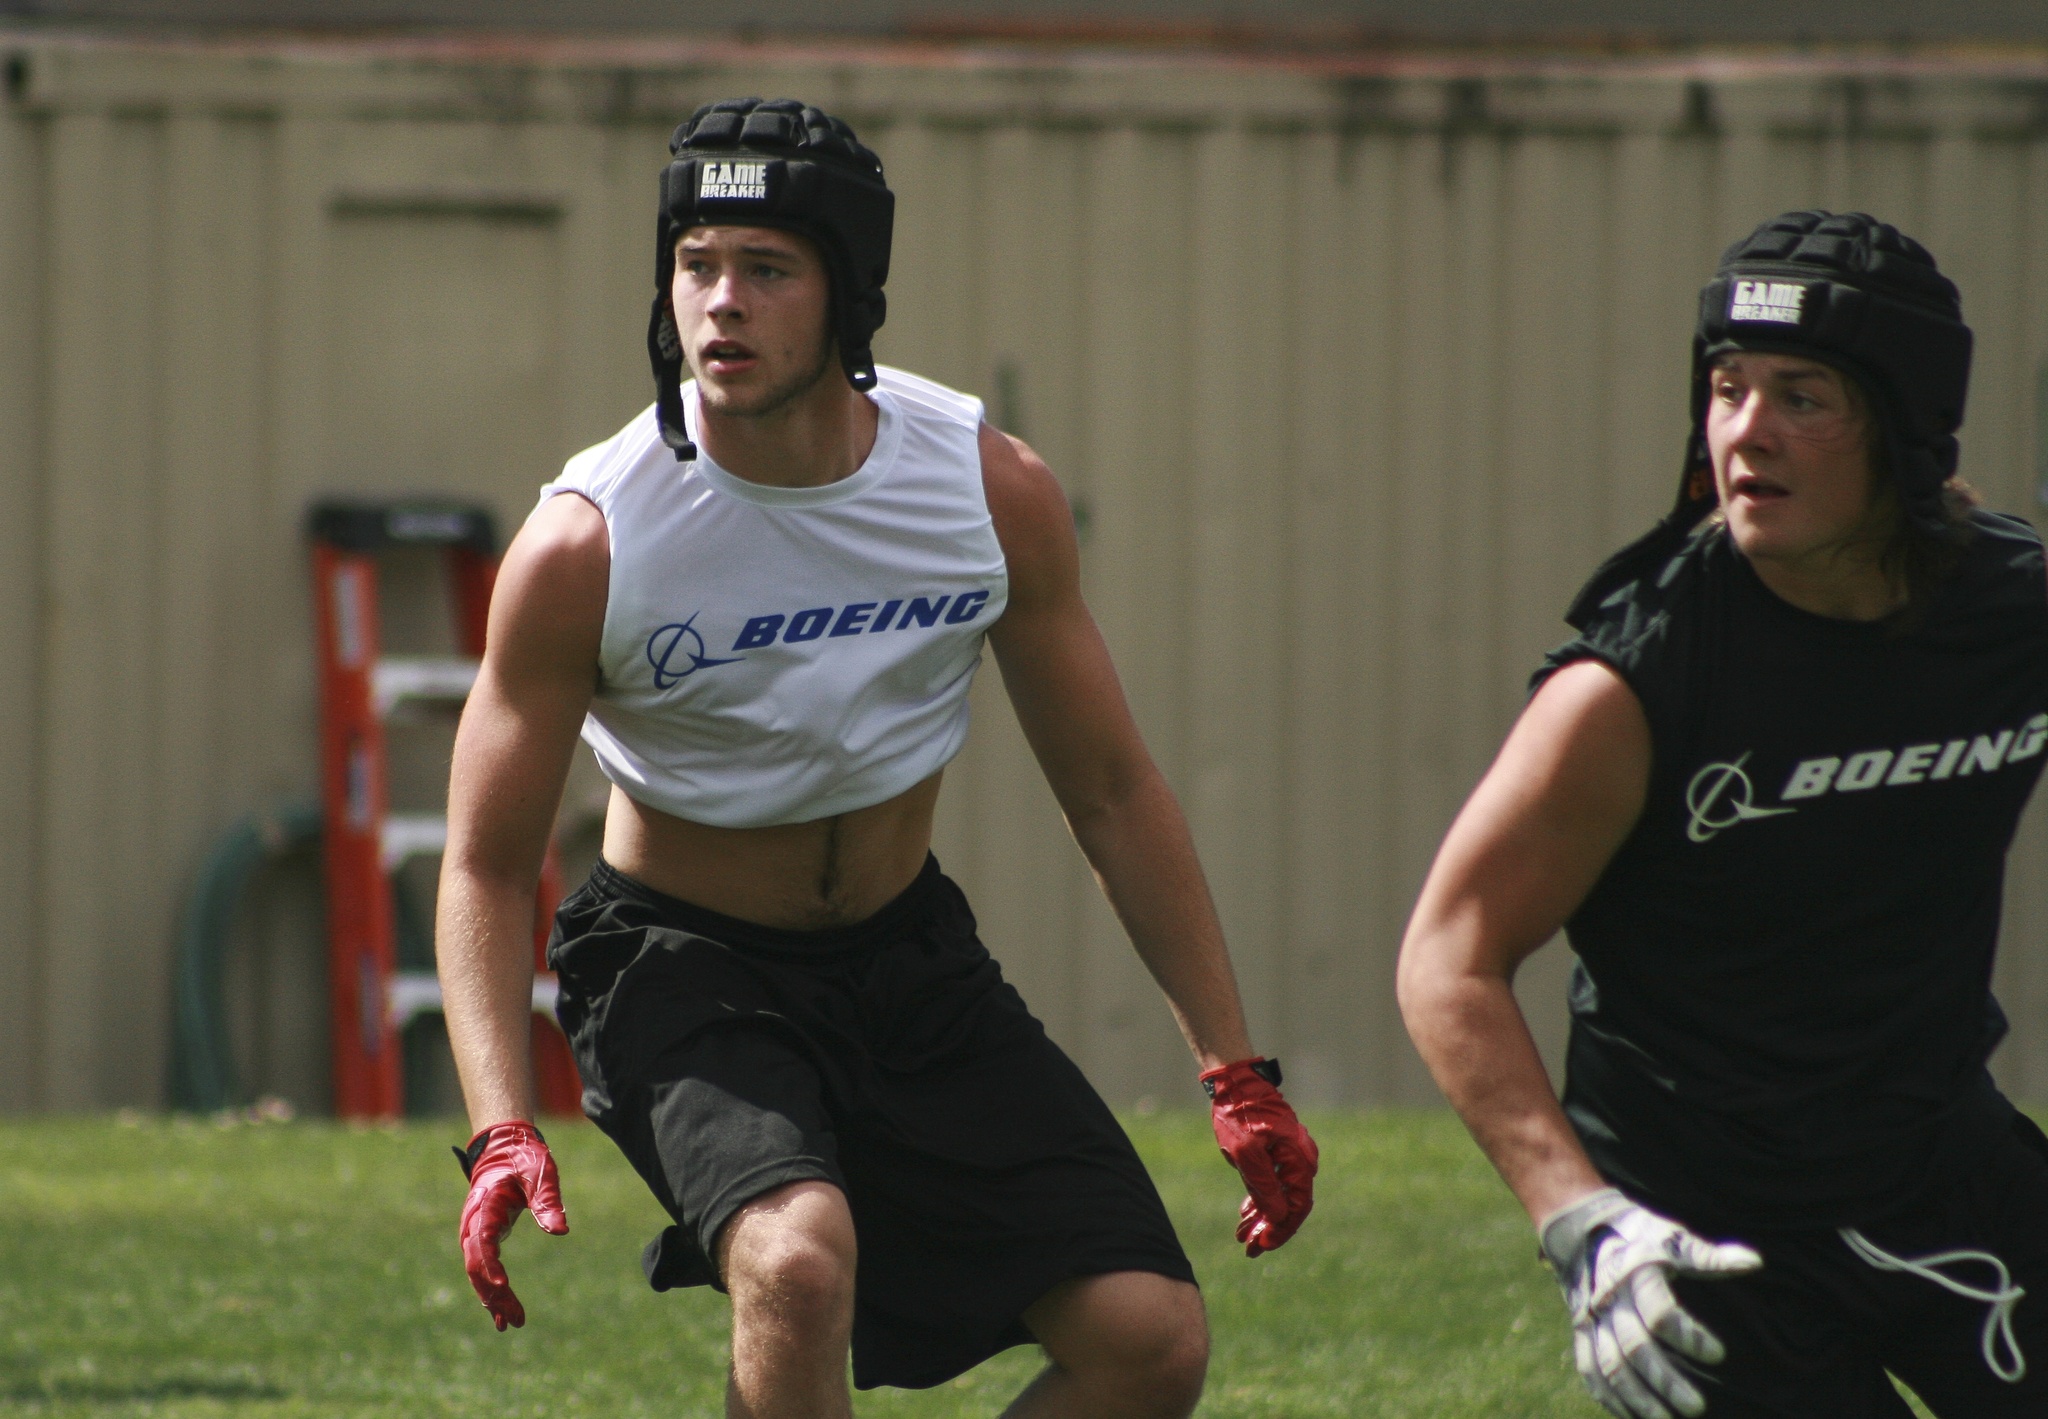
[{"x": 1767, "y": 790}]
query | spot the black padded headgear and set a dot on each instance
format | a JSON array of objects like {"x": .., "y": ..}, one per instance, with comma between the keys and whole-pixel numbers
[
  {"x": 1853, "y": 293},
  {"x": 774, "y": 163}
]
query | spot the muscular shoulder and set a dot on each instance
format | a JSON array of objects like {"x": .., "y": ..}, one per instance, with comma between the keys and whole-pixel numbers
[
  {"x": 1589, "y": 698},
  {"x": 554, "y": 582},
  {"x": 565, "y": 537},
  {"x": 1033, "y": 520},
  {"x": 1584, "y": 744}
]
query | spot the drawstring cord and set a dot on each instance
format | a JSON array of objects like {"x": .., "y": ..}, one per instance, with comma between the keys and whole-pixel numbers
[{"x": 2003, "y": 1300}]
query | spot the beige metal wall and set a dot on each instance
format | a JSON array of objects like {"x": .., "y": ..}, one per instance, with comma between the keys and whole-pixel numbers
[{"x": 1351, "y": 376}]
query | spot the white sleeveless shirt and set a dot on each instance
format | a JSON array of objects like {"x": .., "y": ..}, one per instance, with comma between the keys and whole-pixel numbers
[{"x": 774, "y": 655}]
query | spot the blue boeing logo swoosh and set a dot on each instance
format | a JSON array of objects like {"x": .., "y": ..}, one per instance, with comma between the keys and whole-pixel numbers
[{"x": 680, "y": 638}]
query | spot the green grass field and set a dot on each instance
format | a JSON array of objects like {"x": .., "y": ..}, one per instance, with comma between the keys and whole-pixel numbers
[{"x": 181, "y": 1269}]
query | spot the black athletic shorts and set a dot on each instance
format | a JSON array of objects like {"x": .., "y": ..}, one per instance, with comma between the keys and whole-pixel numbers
[
  {"x": 1813, "y": 1333},
  {"x": 889, "y": 1058}
]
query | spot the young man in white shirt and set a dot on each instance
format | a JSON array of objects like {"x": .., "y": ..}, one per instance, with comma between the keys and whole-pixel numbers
[{"x": 762, "y": 603}]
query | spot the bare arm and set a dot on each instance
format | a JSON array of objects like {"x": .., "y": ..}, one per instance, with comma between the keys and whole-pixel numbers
[
  {"x": 1068, "y": 700},
  {"x": 1524, "y": 852},
  {"x": 511, "y": 757}
]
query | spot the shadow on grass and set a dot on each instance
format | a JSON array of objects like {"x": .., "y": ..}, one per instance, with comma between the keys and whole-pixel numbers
[{"x": 77, "y": 1388}]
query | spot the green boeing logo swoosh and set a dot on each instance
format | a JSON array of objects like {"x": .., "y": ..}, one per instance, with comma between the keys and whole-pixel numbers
[{"x": 1719, "y": 797}]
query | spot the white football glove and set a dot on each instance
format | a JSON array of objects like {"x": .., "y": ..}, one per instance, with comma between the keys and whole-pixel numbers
[{"x": 1612, "y": 1257}]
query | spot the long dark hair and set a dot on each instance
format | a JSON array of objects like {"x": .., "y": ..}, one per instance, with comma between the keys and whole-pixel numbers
[{"x": 1915, "y": 558}]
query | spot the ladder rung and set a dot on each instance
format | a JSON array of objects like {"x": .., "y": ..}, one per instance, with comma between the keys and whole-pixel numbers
[
  {"x": 408, "y": 835},
  {"x": 411, "y": 994},
  {"x": 395, "y": 679}
]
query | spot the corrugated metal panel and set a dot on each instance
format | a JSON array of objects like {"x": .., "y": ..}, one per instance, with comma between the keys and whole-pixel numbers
[
  {"x": 1351, "y": 377},
  {"x": 23, "y": 235}
]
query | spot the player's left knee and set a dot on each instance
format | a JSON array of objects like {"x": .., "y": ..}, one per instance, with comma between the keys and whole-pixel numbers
[
  {"x": 1151, "y": 1344},
  {"x": 1179, "y": 1367},
  {"x": 1164, "y": 1373}
]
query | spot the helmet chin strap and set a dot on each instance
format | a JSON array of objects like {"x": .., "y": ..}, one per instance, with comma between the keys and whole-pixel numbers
[{"x": 665, "y": 350}]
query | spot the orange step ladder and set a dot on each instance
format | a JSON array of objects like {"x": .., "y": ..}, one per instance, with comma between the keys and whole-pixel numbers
[{"x": 372, "y": 999}]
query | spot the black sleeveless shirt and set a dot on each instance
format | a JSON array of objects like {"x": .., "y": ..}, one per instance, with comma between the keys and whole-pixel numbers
[{"x": 1782, "y": 1008}]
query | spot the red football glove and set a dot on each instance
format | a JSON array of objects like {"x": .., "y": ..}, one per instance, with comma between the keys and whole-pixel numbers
[
  {"x": 509, "y": 1170},
  {"x": 1266, "y": 1143}
]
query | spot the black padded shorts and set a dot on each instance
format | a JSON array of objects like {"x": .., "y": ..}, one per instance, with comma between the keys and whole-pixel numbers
[
  {"x": 889, "y": 1058},
  {"x": 1815, "y": 1330}
]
